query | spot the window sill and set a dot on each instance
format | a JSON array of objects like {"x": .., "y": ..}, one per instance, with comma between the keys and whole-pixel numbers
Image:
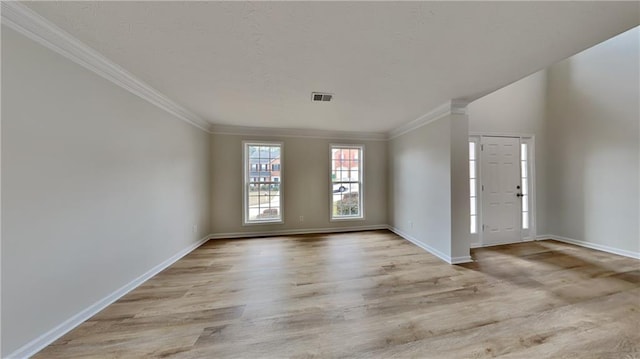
[
  {"x": 258, "y": 223},
  {"x": 340, "y": 219}
]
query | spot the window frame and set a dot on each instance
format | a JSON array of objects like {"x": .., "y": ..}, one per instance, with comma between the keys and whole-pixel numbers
[
  {"x": 530, "y": 232},
  {"x": 246, "y": 221},
  {"x": 361, "y": 215},
  {"x": 524, "y": 189},
  {"x": 476, "y": 179}
]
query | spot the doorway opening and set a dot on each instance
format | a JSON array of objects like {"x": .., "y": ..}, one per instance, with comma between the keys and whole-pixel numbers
[{"x": 502, "y": 189}]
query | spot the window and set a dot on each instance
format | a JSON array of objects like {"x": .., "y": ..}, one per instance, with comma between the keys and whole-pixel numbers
[
  {"x": 262, "y": 182},
  {"x": 524, "y": 174},
  {"x": 346, "y": 182},
  {"x": 473, "y": 184}
]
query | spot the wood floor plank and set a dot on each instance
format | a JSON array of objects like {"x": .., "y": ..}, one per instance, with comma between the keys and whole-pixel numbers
[{"x": 371, "y": 295}]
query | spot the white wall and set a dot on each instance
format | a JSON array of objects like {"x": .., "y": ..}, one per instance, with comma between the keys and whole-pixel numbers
[
  {"x": 428, "y": 186},
  {"x": 460, "y": 211},
  {"x": 518, "y": 109},
  {"x": 98, "y": 187},
  {"x": 306, "y": 184},
  {"x": 593, "y": 138},
  {"x": 584, "y": 113}
]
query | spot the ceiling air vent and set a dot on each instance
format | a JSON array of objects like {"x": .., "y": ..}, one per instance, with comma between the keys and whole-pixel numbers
[{"x": 321, "y": 97}]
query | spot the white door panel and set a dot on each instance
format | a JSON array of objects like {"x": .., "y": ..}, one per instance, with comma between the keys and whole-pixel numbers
[{"x": 500, "y": 175}]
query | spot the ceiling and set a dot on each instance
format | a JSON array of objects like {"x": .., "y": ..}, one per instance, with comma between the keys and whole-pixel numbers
[{"x": 388, "y": 63}]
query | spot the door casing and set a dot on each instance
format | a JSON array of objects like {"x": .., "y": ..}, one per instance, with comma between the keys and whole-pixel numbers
[{"x": 477, "y": 239}]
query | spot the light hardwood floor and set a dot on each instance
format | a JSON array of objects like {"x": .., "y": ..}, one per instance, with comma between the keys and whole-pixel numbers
[{"x": 371, "y": 295}]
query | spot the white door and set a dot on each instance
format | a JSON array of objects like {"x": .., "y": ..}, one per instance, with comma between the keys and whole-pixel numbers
[{"x": 500, "y": 179}]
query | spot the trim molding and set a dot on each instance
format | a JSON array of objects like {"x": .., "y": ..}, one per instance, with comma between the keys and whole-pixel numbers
[
  {"x": 49, "y": 337},
  {"x": 435, "y": 252},
  {"x": 461, "y": 260},
  {"x": 37, "y": 28},
  {"x": 486, "y": 245},
  {"x": 500, "y": 134},
  {"x": 431, "y": 116},
  {"x": 235, "y": 235},
  {"x": 596, "y": 246},
  {"x": 30, "y": 24},
  {"x": 295, "y": 132},
  {"x": 455, "y": 107}
]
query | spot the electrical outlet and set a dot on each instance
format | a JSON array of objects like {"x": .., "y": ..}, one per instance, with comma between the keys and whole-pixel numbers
[
  {"x": 411, "y": 224},
  {"x": 301, "y": 218},
  {"x": 195, "y": 228}
]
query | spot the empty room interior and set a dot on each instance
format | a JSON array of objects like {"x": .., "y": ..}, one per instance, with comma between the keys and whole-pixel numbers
[{"x": 320, "y": 179}]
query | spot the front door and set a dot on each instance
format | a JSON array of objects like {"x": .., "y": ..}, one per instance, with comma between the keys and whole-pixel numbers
[{"x": 500, "y": 176}]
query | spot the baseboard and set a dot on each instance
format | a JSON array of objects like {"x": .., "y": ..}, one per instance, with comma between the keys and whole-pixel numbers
[
  {"x": 49, "y": 337},
  {"x": 486, "y": 245},
  {"x": 288, "y": 232},
  {"x": 461, "y": 260},
  {"x": 596, "y": 246},
  {"x": 435, "y": 252},
  {"x": 475, "y": 245}
]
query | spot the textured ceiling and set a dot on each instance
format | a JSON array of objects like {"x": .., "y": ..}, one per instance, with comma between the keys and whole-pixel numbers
[{"x": 256, "y": 63}]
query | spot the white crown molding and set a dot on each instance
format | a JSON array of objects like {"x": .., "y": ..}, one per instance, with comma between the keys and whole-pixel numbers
[
  {"x": 500, "y": 134},
  {"x": 459, "y": 107},
  {"x": 293, "y": 132},
  {"x": 453, "y": 107},
  {"x": 63, "y": 328},
  {"x": 431, "y": 116},
  {"x": 30, "y": 24}
]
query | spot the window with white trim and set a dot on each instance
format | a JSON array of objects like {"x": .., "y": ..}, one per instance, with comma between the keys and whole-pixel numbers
[
  {"x": 473, "y": 185},
  {"x": 263, "y": 182},
  {"x": 346, "y": 182},
  {"x": 524, "y": 174}
]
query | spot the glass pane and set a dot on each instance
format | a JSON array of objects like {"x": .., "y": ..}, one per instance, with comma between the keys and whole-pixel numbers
[
  {"x": 254, "y": 152},
  {"x": 525, "y": 203},
  {"x": 472, "y": 151},
  {"x": 355, "y": 189},
  {"x": 263, "y": 197},
  {"x": 473, "y": 206},
  {"x": 523, "y": 152},
  {"x": 345, "y": 197},
  {"x": 472, "y": 187},
  {"x": 525, "y": 220},
  {"x": 472, "y": 169},
  {"x": 347, "y": 203},
  {"x": 473, "y": 224},
  {"x": 523, "y": 166},
  {"x": 525, "y": 186},
  {"x": 355, "y": 175}
]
